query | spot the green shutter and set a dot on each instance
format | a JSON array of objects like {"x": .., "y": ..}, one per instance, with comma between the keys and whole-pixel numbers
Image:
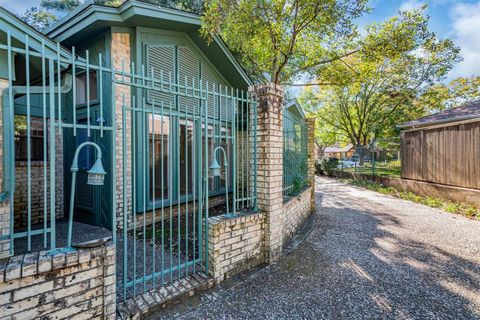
[
  {"x": 162, "y": 59},
  {"x": 188, "y": 67},
  {"x": 207, "y": 75}
]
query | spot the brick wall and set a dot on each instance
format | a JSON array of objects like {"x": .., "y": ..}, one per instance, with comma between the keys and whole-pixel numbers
[
  {"x": 37, "y": 185},
  {"x": 312, "y": 157},
  {"x": 296, "y": 210},
  {"x": 79, "y": 284},
  {"x": 235, "y": 244},
  {"x": 270, "y": 165},
  {"x": 121, "y": 56}
]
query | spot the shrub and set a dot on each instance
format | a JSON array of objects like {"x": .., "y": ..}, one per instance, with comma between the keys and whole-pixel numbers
[{"x": 328, "y": 166}]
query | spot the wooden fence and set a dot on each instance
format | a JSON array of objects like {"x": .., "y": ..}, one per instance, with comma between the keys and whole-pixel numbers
[{"x": 447, "y": 155}]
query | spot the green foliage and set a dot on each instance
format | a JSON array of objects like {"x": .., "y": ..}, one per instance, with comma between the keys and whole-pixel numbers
[
  {"x": 43, "y": 16},
  {"x": 445, "y": 96},
  {"x": 464, "y": 209},
  {"x": 371, "y": 93},
  {"x": 283, "y": 38},
  {"x": 328, "y": 166},
  {"x": 38, "y": 18}
]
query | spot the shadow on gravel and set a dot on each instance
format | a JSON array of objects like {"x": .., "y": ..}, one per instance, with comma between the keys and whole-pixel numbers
[
  {"x": 359, "y": 262},
  {"x": 374, "y": 271}
]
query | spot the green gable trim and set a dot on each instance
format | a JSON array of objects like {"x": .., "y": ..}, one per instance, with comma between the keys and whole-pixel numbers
[
  {"x": 18, "y": 29},
  {"x": 90, "y": 18},
  {"x": 294, "y": 108}
]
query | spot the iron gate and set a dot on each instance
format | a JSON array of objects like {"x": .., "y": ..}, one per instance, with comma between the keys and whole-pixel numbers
[{"x": 157, "y": 195}]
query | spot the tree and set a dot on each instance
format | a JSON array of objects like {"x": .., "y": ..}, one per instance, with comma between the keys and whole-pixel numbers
[
  {"x": 43, "y": 16},
  {"x": 445, "y": 96},
  {"x": 38, "y": 18},
  {"x": 285, "y": 39},
  {"x": 371, "y": 95}
]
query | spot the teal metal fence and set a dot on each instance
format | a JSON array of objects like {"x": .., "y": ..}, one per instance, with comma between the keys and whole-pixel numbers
[
  {"x": 160, "y": 163},
  {"x": 295, "y": 154}
]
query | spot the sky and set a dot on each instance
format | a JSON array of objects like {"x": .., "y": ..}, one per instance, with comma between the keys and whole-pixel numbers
[{"x": 458, "y": 20}]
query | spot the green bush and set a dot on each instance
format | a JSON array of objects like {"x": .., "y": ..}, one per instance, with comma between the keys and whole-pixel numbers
[{"x": 328, "y": 166}]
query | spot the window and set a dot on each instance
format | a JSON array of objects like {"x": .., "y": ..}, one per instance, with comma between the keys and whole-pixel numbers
[
  {"x": 159, "y": 138},
  {"x": 186, "y": 157},
  {"x": 81, "y": 85},
  {"x": 36, "y": 138}
]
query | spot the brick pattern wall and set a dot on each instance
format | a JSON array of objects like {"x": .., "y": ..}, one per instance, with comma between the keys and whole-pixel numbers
[
  {"x": 5, "y": 206},
  {"x": 270, "y": 164},
  {"x": 37, "y": 185},
  {"x": 296, "y": 211},
  {"x": 235, "y": 244},
  {"x": 312, "y": 157},
  {"x": 212, "y": 202},
  {"x": 79, "y": 284},
  {"x": 121, "y": 55}
]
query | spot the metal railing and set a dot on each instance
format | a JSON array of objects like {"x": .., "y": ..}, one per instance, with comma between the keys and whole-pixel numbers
[
  {"x": 295, "y": 154},
  {"x": 157, "y": 157}
]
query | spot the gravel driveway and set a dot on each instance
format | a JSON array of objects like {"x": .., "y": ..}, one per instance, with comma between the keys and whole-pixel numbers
[{"x": 368, "y": 256}]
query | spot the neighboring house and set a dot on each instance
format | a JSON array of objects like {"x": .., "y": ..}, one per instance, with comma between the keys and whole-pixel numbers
[
  {"x": 444, "y": 147},
  {"x": 179, "y": 180},
  {"x": 336, "y": 151}
]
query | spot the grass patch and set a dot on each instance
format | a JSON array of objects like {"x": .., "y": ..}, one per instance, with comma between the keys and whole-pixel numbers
[
  {"x": 461, "y": 208},
  {"x": 390, "y": 169}
]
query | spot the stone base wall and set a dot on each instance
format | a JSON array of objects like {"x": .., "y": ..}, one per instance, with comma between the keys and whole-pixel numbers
[
  {"x": 79, "y": 284},
  {"x": 422, "y": 188},
  {"x": 296, "y": 210},
  {"x": 235, "y": 244}
]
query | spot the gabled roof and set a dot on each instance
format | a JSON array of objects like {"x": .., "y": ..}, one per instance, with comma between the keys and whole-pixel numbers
[
  {"x": 89, "y": 18},
  {"x": 335, "y": 149},
  {"x": 18, "y": 29},
  {"x": 294, "y": 107},
  {"x": 469, "y": 111}
]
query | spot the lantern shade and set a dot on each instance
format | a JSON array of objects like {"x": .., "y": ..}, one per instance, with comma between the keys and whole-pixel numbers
[
  {"x": 215, "y": 167},
  {"x": 96, "y": 175}
]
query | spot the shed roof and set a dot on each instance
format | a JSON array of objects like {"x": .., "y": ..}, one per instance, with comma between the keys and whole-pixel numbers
[
  {"x": 468, "y": 111},
  {"x": 89, "y": 18},
  {"x": 334, "y": 149}
]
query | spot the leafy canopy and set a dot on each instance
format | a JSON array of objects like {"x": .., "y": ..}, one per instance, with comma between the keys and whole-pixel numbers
[
  {"x": 368, "y": 95},
  {"x": 282, "y": 38}
]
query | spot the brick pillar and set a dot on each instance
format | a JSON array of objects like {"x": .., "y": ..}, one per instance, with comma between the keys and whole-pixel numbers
[
  {"x": 121, "y": 55},
  {"x": 4, "y": 206},
  {"x": 270, "y": 164},
  {"x": 311, "y": 158}
]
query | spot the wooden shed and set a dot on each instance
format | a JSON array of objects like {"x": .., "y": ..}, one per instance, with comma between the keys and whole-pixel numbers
[{"x": 444, "y": 147}]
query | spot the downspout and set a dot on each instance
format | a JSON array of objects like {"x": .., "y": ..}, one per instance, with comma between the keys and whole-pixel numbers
[{"x": 8, "y": 185}]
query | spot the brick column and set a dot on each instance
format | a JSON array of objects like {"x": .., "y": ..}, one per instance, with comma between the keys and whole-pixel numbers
[
  {"x": 4, "y": 206},
  {"x": 270, "y": 164},
  {"x": 121, "y": 56},
  {"x": 311, "y": 158}
]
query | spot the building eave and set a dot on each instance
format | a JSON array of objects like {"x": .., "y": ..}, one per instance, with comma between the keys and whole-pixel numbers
[{"x": 89, "y": 14}]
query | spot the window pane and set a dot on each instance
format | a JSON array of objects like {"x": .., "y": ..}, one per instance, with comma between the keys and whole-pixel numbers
[
  {"x": 36, "y": 138},
  {"x": 81, "y": 86},
  {"x": 186, "y": 167},
  {"x": 211, "y": 178},
  {"x": 226, "y": 145},
  {"x": 159, "y": 138}
]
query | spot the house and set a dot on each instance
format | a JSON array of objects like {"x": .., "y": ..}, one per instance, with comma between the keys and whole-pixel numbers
[
  {"x": 335, "y": 151},
  {"x": 442, "y": 148},
  {"x": 295, "y": 151},
  {"x": 138, "y": 161}
]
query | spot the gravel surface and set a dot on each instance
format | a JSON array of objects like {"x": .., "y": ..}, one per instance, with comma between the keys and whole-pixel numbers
[{"x": 368, "y": 256}]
